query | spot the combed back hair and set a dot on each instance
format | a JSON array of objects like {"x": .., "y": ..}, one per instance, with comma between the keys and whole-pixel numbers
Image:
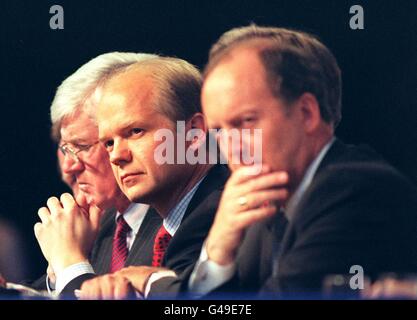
[
  {"x": 77, "y": 88},
  {"x": 295, "y": 62},
  {"x": 178, "y": 84}
]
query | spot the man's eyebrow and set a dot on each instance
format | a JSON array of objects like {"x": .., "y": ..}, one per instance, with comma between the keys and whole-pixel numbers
[
  {"x": 76, "y": 141},
  {"x": 127, "y": 125},
  {"x": 124, "y": 126},
  {"x": 130, "y": 124}
]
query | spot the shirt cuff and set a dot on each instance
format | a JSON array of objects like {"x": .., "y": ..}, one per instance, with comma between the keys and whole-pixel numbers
[
  {"x": 155, "y": 277},
  {"x": 208, "y": 275},
  {"x": 70, "y": 273}
]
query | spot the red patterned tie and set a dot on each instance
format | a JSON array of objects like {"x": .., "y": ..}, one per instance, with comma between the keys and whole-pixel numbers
[
  {"x": 160, "y": 245},
  {"x": 120, "y": 251}
]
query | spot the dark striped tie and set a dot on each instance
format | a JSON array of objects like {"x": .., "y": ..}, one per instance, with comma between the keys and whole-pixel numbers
[{"x": 120, "y": 250}]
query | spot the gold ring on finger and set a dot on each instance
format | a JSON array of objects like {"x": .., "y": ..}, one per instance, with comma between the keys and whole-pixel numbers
[{"x": 242, "y": 201}]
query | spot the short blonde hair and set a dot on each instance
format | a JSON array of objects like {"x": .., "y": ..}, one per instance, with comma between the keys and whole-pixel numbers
[{"x": 178, "y": 86}]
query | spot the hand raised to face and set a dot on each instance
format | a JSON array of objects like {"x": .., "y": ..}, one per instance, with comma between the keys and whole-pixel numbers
[{"x": 246, "y": 199}]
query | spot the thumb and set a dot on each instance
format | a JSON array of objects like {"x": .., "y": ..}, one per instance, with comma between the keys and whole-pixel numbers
[
  {"x": 81, "y": 200},
  {"x": 51, "y": 274},
  {"x": 95, "y": 214}
]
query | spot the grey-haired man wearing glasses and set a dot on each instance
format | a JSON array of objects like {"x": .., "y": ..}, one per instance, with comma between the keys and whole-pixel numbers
[{"x": 77, "y": 233}]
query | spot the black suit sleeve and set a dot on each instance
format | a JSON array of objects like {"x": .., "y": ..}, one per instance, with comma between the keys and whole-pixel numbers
[
  {"x": 38, "y": 284},
  {"x": 185, "y": 247},
  {"x": 75, "y": 284},
  {"x": 171, "y": 287}
]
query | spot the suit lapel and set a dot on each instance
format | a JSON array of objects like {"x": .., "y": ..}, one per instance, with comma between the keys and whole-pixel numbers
[
  {"x": 101, "y": 256},
  {"x": 142, "y": 248},
  {"x": 215, "y": 178},
  {"x": 332, "y": 154}
]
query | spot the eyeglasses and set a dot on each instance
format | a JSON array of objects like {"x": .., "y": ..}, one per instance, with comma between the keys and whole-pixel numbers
[{"x": 73, "y": 150}]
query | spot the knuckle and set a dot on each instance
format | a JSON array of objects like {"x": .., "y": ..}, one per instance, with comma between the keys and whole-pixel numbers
[
  {"x": 252, "y": 184},
  {"x": 58, "y": 217},
  {"x": 111, "y": 278},
  {"x": 124, "y": 282},
  {"x": 87, "y": 284},
  {"x": 277, "y": 178}
]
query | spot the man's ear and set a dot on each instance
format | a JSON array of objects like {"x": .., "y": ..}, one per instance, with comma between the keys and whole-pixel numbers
[
  {"x": 309, "y": 111},
  {"x": 196, "y": 130}
]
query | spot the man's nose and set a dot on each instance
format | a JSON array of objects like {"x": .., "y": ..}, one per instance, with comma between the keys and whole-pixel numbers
[
  {"x": 230, "y": 146},
  {"x": 120, "y": 153},
  {"x": 69, "y": 165}
]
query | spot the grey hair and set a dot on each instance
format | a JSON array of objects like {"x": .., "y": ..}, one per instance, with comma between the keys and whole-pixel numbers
[{"x": 75, "y": 89}]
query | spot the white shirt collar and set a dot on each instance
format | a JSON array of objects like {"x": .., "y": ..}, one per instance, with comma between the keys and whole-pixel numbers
[{"x": 134, "y": 215}]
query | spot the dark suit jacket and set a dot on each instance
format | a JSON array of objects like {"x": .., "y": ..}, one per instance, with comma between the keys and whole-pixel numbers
[
  {"x": 358, "y": 210},
  {"x": 185, "y": 246},
  {"x": 140, "y": 253}
]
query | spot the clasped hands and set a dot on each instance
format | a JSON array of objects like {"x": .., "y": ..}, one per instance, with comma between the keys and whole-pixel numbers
[{"x": 66, "y": 232}]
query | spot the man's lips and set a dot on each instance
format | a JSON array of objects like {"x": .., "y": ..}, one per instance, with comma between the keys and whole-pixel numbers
[{"x": 127, "y": 176}]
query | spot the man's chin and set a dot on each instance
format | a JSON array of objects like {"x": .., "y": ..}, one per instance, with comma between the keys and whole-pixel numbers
[{"x": 138, "y": 197}]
